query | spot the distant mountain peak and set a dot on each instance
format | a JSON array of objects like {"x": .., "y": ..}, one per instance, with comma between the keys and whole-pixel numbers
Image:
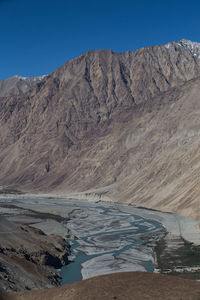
[
  {"x": 194, "y": 47},
  {"x": 189, "y": 42},
  {"x": 17, "y": 84},
  {"x": 33, "y": 78},
  {"x": 19, "y": 77}
]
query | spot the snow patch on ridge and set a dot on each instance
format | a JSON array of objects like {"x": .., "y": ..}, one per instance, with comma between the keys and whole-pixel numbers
[
  {"x": 167, "y": 45},
  {"x": 194, "y": 47},
  {"x": 33, "y": 78}
]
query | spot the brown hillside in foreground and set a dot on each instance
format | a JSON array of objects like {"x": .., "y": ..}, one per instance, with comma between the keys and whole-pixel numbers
[
  {"x": 133, "y": 285},
  {"x": 127, "y": 123}
]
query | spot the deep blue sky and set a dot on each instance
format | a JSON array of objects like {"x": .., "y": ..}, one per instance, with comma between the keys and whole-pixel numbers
[{"x": 38, "y": 36}]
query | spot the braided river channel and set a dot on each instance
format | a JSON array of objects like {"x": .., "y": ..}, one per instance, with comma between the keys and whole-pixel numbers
[{"x": 107, "y": 240}]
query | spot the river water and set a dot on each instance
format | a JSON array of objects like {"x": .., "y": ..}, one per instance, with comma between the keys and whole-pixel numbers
[
  {"x": 109, "y": 237},
  {"x": 109, "y": 240}
]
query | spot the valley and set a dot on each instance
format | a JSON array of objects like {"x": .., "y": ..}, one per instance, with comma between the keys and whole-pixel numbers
[
  {"x": 127, "y": 123},
  {"x": 108, "y": 237},
  {"x": 100, "y": 169}
]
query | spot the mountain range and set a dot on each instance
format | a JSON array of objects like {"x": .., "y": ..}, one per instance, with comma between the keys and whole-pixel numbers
[
  {"x": 123, "y": 127},
  {"x": 16, "y": 85}
]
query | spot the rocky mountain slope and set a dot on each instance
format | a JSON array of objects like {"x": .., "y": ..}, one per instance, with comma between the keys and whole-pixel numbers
[
  {"x": 129, "y": 285},
  {"x": 124, "y": 126},
  {"x": 17, "y": 85},
  {"x": 29, "y": 258}
]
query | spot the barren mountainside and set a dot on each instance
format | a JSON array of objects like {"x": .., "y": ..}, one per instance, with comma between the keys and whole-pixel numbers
[
  {"x": 16, "y": 85},
  {"x": 124, "y": 125}
]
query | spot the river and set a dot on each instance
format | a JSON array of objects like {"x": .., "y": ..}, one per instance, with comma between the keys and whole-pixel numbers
[
  {"x": 108, "y": 240},
  {"x": 109, "y": 237}
]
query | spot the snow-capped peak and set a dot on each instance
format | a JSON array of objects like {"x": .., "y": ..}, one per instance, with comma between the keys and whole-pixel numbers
[
  {"x": 189, "y": 43},
  {"x": 19, "y": 77},
  {"x": 194, "y": 47},
  {"x": 33, "y": 78}
]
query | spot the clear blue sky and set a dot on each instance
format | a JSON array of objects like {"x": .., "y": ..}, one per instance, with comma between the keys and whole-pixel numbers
[{"x": 37, "y": 36}]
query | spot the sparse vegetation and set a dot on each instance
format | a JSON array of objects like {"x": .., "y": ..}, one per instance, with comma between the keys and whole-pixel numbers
[
  {"x": 44, "y": 215},
  {"x": 35, "y": 214},
  {"x": 10, "y": 191},
  {"x": 179, "y": 261},
  {"x": 9, "y": 205}
]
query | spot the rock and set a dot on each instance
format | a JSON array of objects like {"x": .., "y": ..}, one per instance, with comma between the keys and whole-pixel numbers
[{"x": 29, "y": 259}]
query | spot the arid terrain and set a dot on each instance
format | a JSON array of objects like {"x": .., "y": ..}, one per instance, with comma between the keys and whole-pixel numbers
[
  {"x": 124, "y": 125},
  {"x": 116, "y": 127},
  {"x": 29, "y": 259},
  {"x": 16, "y": 85},
  {"x": 138, "y": 286},
  {"x": 104, "y": 238}
]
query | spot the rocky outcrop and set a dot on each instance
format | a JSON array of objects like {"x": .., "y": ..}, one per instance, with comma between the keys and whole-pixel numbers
[
  {"x": 124, "y": 125},
  {"x": 29, "y": 259}
]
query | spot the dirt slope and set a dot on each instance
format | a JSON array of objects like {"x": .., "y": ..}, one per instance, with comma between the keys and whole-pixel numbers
[
  {"x": 135, "y": 285},
  {"x": 29, "y": 258}
]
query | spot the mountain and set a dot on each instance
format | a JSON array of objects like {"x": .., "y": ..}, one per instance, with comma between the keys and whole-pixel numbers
[
  {"x": 17, "y": 85},
  {"x": 122, "y": 126}
]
